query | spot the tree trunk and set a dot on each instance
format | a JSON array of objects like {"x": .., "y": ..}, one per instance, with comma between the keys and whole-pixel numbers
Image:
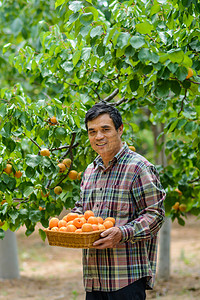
[
  {"x": 8, "y": 256},
  {"x": 165, "y": 232},
  {"x": 164, "y": 250}
]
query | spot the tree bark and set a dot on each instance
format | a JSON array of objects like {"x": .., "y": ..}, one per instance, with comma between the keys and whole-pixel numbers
[
  {"x": 165, "y": 232},
  {"x": 9, "y": 268}
]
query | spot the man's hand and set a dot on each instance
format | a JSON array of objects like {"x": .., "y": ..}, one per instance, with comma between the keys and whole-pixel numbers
[{"x": 109, "y": 238}]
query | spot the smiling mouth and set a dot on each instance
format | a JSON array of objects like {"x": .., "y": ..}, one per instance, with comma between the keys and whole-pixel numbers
[{"x": 102, "y": 144}]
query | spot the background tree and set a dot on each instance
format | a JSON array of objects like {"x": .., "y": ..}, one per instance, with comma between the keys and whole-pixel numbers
[{"x": 141, "y": 56}]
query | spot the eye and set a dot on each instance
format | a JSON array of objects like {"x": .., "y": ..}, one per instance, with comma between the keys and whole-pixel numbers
[{"x": 91, "y": 132}]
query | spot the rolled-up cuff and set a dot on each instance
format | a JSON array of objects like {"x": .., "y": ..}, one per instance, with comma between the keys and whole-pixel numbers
[{"x": 127, "y": 233}]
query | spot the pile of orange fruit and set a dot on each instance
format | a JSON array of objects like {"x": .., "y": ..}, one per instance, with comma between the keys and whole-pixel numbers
[{"x": 87, "y": 222}]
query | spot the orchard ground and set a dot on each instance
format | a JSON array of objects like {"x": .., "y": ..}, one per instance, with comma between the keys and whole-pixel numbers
[{"x": 55, "y": 273}]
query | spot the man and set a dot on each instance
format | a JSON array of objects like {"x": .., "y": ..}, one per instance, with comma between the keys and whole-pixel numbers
[{"x": 122, "y": 184}]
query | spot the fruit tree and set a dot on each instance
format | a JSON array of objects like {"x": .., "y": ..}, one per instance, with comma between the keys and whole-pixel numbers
[{"x": 141, "y": 56}]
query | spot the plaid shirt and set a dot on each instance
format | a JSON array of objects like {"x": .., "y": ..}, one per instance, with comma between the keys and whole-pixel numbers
[{"x": 130, "y": 191}]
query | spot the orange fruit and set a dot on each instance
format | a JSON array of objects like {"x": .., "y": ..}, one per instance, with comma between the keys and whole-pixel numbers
[
  {"x": 71, "y": 228},
  {"x": 83, "y": 219},
  {"x": 53, "y": 222},
  {"x": 62, "y": 167},
  {"x": 67, "y": 162},
  {"x": 176, "y": 206},
  {"x": 54, "y": 229},
  {"x": 58, "y": 190},
  {"x": 92, "y": 220},
  {"x": 73, "y": 174},
  {"x": 70, "y": 216},
  {"x": 132, "y": 148},
  {"x": 63, "y": 229},
  {"x": 190, "y": 73},
  {"x": 41, "y": 208},
  {"x": 110, "y": 219},
  {"x": 87, "y": 227},
  {"x": 178, "y": 191},
  {"x": 79, "y": 175},
  {"x": 45, "y": 152},
  {"x": 101, "y": 227},
  {"x": 2, "y": 223},
  {"x": 18, "y": 174},
  {"x": 53, "y": 120},
  {"x": 100, "y": 220},
  {"x": 88, "y": 213},
  {"x": 62, "y": 223},
  {"x": 95, "y": 227},
  {"x": 78, "y": 222},
  {"x": 8, "y": 169},
  {"x": 182, "y": 207},
  {"x": 70, "y": 222},
  {"x": 79, "y": 230},
  {"x": 108, "y": 224}
]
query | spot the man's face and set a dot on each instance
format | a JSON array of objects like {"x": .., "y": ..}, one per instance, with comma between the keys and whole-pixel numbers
[{"x": 104, "y": 138}]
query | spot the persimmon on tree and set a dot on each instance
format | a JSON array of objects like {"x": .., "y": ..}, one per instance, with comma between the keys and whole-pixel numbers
[{"x": 134, "y": 55}]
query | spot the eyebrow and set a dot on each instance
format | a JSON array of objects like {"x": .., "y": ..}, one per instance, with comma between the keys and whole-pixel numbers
[{"x": 104, "y": 126}]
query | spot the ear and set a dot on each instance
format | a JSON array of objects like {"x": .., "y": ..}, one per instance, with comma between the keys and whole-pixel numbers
[{"x": 120, "y": 130}]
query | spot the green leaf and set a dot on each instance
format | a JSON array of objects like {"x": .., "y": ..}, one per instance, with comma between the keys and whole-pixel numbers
[
  {"x": 137, "y": 42},
  {"x": 75, "y": 6},
  {"x": 42, "y": 234},
  {"x": 5, "y": 48},
  {"x": 67, "y": 66},
  {"x": 96, "y": 77},
  {"x": 35, "y": 216},
  {"x": 106, "y": 88},
  {"x": 73, "y": 17},
  {"x": 86, "y": 53},
  {"x": 59, "y": 2},
  {"x": 96, "y": 31},
  {"x": 30, "y": 172},
  {"x": 33, "y": 160},
  {"x": 60, "y": 133},
  {"x": 190, "y": 127},
  {"x": 86, "y": 18},
  {"x": 144, "y": 55},
  {"x": 144, "y": 28},
  {"x": 9, "y": 143},
  {"x": 181, "y": 123},
  {"x": 16, "y": 26},
  {"x": 76, "y": 57},
  {"x": 122, "y": 39},
  {"x": 175, "y": 87},
  {"x": 28, "y": 190},
  {"x": 161, "y": 105},
  {"x": 2, "y": 234},
  {"x": 181, "y": 73},
  {"x": 176, "y": 56},
  {"x": 11, "y": 184},
  {"x": 134, "y": 84},
  {"x": 101, "y": 50},
  {"x": 14, "y": 215}
]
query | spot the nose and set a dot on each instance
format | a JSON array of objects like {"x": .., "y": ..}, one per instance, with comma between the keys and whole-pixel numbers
[{"x": 99, "y": 135}]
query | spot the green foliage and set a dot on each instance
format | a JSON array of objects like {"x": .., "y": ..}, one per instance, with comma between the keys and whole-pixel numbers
[{"x": 59, "y": 61}]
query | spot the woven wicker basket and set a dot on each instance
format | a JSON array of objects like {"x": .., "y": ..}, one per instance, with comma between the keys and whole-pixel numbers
[{"x": 72, "y": 239}]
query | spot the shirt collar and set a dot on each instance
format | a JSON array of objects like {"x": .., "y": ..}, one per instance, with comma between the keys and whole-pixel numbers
[{"x": 99, "y": 162}]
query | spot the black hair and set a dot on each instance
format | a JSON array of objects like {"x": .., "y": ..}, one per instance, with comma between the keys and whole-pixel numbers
[{"x": 101, "y": 108}]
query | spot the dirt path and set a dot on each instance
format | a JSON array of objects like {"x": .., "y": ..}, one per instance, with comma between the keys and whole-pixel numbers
[{"x": 55, "y": 273}]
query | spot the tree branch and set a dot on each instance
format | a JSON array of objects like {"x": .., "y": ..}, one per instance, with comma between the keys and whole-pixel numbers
[
  {"x": 111, "y": 96},
  {"x": 32, "y": 141}
]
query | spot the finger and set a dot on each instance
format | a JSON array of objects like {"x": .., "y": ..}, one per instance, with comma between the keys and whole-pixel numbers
[{"x": 106, "y": 232}]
